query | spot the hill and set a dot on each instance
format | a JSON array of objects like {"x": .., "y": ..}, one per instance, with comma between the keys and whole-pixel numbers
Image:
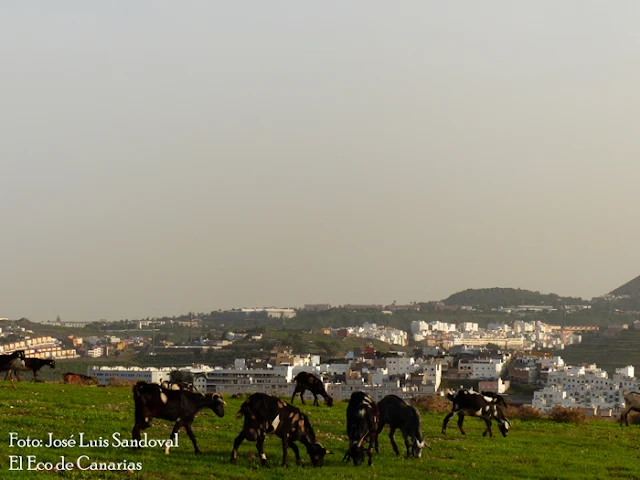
[
  {"x": 488, "y": 298},
  {"x": 534, "y": 449},
  {"x": 631, "y": 288},
  {"x": 608, "y": 352}
]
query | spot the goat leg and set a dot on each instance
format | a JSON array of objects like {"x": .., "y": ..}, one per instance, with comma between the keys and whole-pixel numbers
[
  {"x": 461, "y": 422},
  {"x": 446, "y": 420},
  {"x": 187, "y": 427},
  {"x": 392, "y": 437},
  {"x": 260, "y": 447},
  {"x": 236, "y": 444}
]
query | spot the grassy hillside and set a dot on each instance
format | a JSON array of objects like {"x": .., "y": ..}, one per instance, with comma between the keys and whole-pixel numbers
[{"x": 534, "y": 449}]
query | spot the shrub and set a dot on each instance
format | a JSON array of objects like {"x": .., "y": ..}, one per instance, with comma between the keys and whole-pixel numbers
[
  {"x": 567, "y": 415},
  {"x": 118, "y": 382},
  {"x": 524, "y": 412},
  {"x": 432, "y": 403}
]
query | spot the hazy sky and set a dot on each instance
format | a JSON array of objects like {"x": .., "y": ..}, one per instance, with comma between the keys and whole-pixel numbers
[{"x": 164, "y": 157}]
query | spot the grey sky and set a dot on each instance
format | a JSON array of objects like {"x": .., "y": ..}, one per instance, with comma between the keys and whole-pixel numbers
[{"x": 161, "y": 157}]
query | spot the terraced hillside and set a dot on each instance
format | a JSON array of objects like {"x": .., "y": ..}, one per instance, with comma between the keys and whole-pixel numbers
[{"x": 608, "y": 352}]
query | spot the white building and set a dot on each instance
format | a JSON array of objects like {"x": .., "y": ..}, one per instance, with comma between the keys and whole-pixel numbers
[
  {"x": 468, "y": 327},
  {"x": 432, "y": 372},
  {"x": 587, "y": 387},
  {"x": 95, "y": 352},
  {"x": 400, "y": 365},
  {"x": 146, "y": 374},
  {"x": 486, "y": 368},
  {"x": 275, "y": 381},
  {"x": 418, "y": 326}
]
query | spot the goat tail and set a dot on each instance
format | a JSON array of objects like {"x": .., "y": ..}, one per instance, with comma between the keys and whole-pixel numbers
[{"x": 244, "y": 408}]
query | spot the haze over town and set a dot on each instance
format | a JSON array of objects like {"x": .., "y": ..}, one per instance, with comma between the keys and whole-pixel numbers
[{"x": 160, "y": 158}]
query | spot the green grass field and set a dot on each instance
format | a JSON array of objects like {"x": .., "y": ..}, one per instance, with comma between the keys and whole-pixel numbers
[{"x": 538, "y": 449}]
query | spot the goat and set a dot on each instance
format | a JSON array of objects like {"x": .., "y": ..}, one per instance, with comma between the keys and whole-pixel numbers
[
  {"x": 475, "y": 404},
  {"x": 400, "y": 415},
  {"x": 186, "y": 386},
  {"x": 10, "y": 362},
  {"x": 362, "y": 422},
  {"x": 79, "y": 379},
  {"x": 307, "y": 381},
  {"x": 32, "y": 364},
  {"x": 632, "y": 403},
  {"x": 268, "y": 414},
  {"x": 153, "y": 401}
]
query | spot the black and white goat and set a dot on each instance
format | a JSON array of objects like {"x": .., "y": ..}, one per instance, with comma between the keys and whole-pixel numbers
[
  {"x": 33, "y": 365},
  {"x": 485, "y": 405},
  {"x": 307, "y": 381},
  {"x": 632, "y": 404},
  {"x": 186, "y": 386},
  {"x": 153, "y": 401},
  {"x": 362, "y": 423},
  {"x": 268, "y": 414},
  {"x": 400, "y": 415},
  {"x": 11, "y": 362}
]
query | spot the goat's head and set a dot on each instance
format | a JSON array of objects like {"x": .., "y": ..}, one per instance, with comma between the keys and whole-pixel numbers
[
  {"x": 355, "y": 453},
  {"x": 18, "y": 354},
  {"x": 416, "y": 449},
  {"x": 217, "y": 404},
  {"x": 504, "y": 425},
  {"x": 317, "y": 452},
  {"x": 329, "y": 400}
]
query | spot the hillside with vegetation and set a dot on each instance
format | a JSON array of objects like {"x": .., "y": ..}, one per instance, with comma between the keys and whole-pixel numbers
[
  {"x": 489, "y": 298},
  {"x": 631, "y": 288},
  {"x": 607, "y": 351}
]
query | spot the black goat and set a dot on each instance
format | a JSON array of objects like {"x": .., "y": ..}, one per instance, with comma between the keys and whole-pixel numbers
[
  {"x": 362, "y": 422},
  {"x": 268, "y": 414},
  {"x": 307, "y": 381},
  {"x": 484, "y": 405},
  {"x": 400, "y": 415},
  {"x": 10, "y": 362},
  {"x": 153, "y": 401},
  {"x": 32, "y": 364}
]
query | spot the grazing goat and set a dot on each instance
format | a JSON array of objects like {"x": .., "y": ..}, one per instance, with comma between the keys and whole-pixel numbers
[
  {"x": 400, "y": 415},
  {"x": 153, "y": 401},
  {"x": 10, "y": 362},
  {"x": 362, "y": 422},
  {"x": 632, "y": 403},
  {"x": 79, "y": 379},
  {"x": 186, "y": 386},
  {"x": 306, "y": 381},
  {"x": 32, "y": 364},
  {"x": 485, "y": 405},
  {"x": 267, "y": 414}
]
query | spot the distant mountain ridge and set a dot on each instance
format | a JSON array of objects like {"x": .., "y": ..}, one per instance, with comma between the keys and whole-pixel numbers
[
  {"x": 504, "y": 297},
  {"x": 631, "y": 288}
]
